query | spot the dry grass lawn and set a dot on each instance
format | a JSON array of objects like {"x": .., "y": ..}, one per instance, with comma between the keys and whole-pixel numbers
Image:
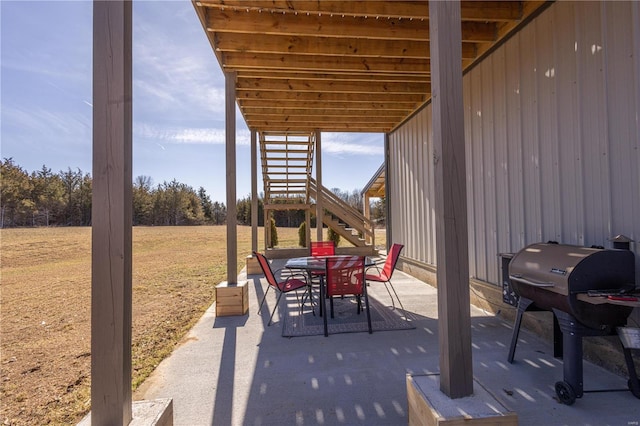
[
  {"x": 45, "y": 309},
  {"x": 46, "y": 298}
]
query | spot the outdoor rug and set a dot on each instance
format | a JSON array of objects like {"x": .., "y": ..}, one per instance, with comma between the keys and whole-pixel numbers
[{"x": 346, "y": 319}]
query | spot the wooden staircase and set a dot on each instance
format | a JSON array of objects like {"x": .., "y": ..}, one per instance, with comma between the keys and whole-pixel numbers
[
  {"x": 348, "y": 222},
  {"x": 287, "y": 160}
]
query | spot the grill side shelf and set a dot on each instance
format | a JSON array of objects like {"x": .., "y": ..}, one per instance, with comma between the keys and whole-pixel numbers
[{"x": 599, "y": 300}]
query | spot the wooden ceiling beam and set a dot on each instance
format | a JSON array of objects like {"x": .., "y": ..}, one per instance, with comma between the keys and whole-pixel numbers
[
  {"x": 330, "y": 46},
  {"x": 219, "y": 20},
  {"x": 261, "y": 104},
  {"x": 345, "y": 97},
  {"x": 470, "y": 10},
  {"x": 346, "y": 128},
  {"x": 330, "y": 86},
  {"x": 345, "y": 76},
  {"x": 311, "y": 112},
  {"x": 239, "y": 61},
  {"x": 304, "y": 65},
  {"x": 323, "y": 119}
]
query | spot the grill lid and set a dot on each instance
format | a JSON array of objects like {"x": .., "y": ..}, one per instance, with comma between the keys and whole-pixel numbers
[{"x": 565, "y": 269}]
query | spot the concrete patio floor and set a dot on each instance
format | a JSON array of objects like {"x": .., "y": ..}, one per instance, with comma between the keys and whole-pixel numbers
[{"x": 238, "y": 371}]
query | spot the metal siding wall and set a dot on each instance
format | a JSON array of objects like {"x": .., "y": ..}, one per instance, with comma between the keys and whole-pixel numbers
[
  {"x": 529, "y": 133},
  {"x": 570, "y": 182},
  {"x": 419, "y": 193},
  {"x": 489, "y": 166},
  {"x": 501, "y": 139},
  {"x": 552, "y": 136},
  {"x": 550, "y": 207},
  {"x": 622, "y": 117},
  {"x": 413, "y": 236},
  {"x": 412, "y": 212},
  {"x": 593, "y": 123},
  {"x": 515, "y": 167},
  {"x": 468, "y": 135},
  {"x": 428, "y": 155}
]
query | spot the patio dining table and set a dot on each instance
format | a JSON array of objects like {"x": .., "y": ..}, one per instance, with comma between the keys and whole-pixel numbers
[{"x": 319, "y": 263}]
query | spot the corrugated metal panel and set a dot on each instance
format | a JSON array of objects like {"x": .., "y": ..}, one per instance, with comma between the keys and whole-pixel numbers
[
  {"x": 412, "y": 215},
  {"x": 552, "y": 135}
]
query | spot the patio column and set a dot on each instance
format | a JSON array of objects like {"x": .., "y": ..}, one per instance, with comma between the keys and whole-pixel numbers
[
  {"x": 319, "y": 210},
  {"x": 230, "y": 130},
  {"x": 111, "y": 214},
  {"x": 452, "y": 257},
  {"x": 387, "y": 191},
  {"x": 254, "y": 192}
]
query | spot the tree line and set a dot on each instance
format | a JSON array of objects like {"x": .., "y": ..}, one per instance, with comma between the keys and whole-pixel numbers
[{"x": 44, "y": 198}]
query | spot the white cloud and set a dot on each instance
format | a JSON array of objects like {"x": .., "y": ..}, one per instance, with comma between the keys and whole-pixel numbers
[
  {"x": 352, "y": 143},
  {"x": 175, "y": 71},
  {"x": 47, "y": 122},
  {"x": 185, "y": 135}
]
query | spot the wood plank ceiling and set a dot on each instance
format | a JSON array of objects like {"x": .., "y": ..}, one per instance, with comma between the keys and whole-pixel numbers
[{"x": 345, "y": 66}]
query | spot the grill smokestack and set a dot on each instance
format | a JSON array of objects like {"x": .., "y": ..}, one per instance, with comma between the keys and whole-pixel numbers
[{"x": 621, "y": 242}]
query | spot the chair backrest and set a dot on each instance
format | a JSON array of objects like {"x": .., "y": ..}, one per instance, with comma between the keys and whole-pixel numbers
[
  {"x": 392, "y": 259},
  {"x": 266, "y": 269},
  {"x": 345, "y": 275},
  {"x": 322, "y": 248}
]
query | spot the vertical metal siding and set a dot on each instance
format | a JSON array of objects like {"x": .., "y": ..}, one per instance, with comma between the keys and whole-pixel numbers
[
  {"x": 412, "y": 213},
  {"x": 552, "y": 128},
  {"x": 468, "y": 135},
  {"x": 593, "y": 121},
  {"x": 502, "y": 194},
  {"x": 570, "y": 185},
  {"x": 514, "y": 146}
]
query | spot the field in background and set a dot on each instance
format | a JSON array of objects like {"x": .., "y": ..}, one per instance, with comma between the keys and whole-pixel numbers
[{"x": 45, "y": 308}]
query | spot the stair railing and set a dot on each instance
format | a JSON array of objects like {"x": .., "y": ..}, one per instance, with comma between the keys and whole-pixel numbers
[{"x": 346, "y": 213}]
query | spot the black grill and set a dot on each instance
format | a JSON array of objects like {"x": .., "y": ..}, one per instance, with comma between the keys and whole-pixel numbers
[{"x": 574, "y": 283}]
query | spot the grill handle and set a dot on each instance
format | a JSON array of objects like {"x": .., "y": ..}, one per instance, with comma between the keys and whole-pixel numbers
[{"x": 520, "y": 278}]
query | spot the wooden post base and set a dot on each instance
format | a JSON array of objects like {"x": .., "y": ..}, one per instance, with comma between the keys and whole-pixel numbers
[
  {"x": 428, "y": 406},
  {"x": 253, "y": 266},
  {"x": 232, "y": 299},
  {"x": 157, "y": 412}
]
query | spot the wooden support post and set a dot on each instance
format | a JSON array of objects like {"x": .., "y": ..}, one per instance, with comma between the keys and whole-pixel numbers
[
  {"x": 307, "y": 219},
  {"x": 387, "y": 191},
  {"x": 267, "y": 229},
  {"x": 230, "y": 126},
  {"x": 111, "y": 214},
  {"x": 454, "y": 320},
  {"x": 319, "y": 210},
  {"x": 252, "y": 265},
  {"x": 254, "y": 192}
]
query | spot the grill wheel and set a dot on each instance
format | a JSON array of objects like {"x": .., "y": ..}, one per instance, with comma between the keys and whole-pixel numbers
[
  {"x": 565, "y": 393},
  {"x": 634, "y": 387}
]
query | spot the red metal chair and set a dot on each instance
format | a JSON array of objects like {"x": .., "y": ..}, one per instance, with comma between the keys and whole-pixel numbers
[
  {"x": 345, "y": 277},
  {"x": 286, "y": 286},
  {"x": 322, "y": 248},
  {"x": 319, "y": 248},
  {"x": 384, "y": 274}
]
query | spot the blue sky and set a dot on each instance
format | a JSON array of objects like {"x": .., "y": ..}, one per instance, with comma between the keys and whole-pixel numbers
[{"x": 178, "y": 99}]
